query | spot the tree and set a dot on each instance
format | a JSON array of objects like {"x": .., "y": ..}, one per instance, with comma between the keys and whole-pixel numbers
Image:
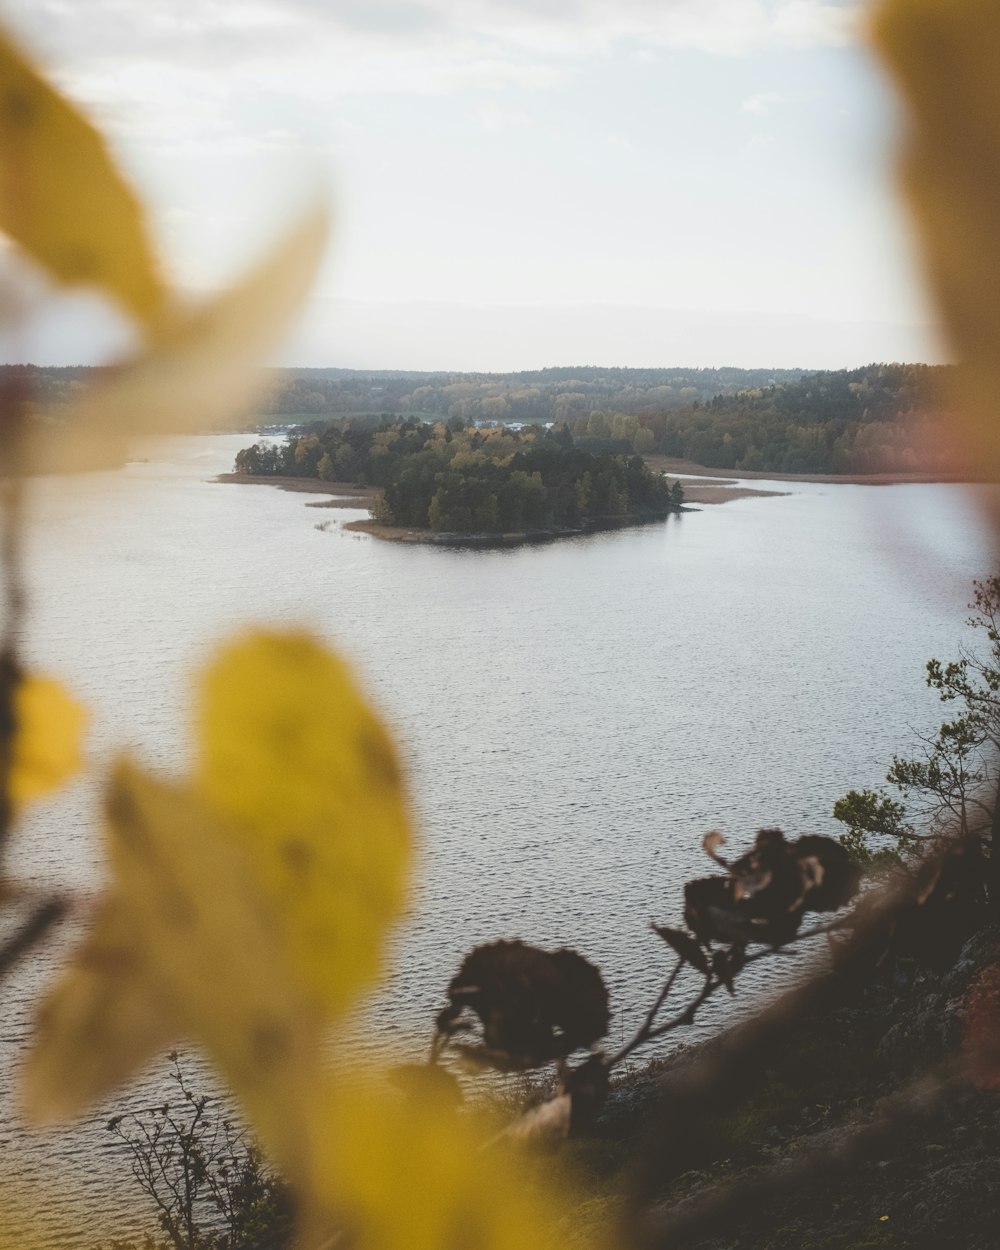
[{"x": 951, "y": 783}]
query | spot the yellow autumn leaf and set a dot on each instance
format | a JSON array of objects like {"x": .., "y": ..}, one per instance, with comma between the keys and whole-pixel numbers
[
  {"x": 943, "y": 56},
  {"x": 62, "y": 198},
  {"x": 408, "y": 1173},
  {"x": 47, "y": 739},
  {"x": 187, "y": 938},
  {"x": 106, "y": 1019},
  {"x": 291, "y": 751},
  {"x": 205, "y": 362}
]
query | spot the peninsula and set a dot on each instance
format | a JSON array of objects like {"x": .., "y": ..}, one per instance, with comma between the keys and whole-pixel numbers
[{"x": 451, "y": 483}]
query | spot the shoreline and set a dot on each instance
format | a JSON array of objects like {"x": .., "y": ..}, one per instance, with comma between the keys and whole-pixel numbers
[
  {"x": 717, "y": 486},
  {"x": 348, "y": 495},
  {"x": 725, "y": 492},
  {"x": 344, "y": 494},
  {"x": 671, "y": 464},
  {"x": 491, "y": 541}
]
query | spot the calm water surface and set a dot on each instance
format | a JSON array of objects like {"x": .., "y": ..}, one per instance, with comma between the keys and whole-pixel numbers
[{"x": 573, "y": 717}]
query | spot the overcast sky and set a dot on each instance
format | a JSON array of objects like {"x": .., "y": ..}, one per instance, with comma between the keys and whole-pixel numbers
[{"x": 516, "y": 183}]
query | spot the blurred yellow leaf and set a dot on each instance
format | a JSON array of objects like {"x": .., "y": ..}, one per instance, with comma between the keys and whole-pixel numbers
[
  {"x": 205, "y": 362},
  {"x": 245, "y": 911},
  {"x": 291, "y": 750},
  {"x": 411, "y": 1174},
  {"x": 107, "y": 1018},
  {"x": 187, "y": 937},
  {"x": 62, "y": 198},
  {"x": 943, "y": 55},
  {"x": 49, "y": 728}
]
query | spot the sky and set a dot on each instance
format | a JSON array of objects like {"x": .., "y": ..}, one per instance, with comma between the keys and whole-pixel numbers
[{"x": 515, "y": 183}]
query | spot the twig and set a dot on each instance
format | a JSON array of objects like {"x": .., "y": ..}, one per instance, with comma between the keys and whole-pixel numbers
[
  {"x": 644, "y": 1029},
  {"x": 648, "y": 1033},
  {"x": 32, "y": 931}
]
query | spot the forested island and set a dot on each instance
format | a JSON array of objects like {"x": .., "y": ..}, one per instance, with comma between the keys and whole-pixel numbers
[{"x": 453, "y": 480}]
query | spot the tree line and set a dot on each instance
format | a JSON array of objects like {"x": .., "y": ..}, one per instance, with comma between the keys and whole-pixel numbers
[
  {"x": 537, "y": 395},
  {"x": 456, "y": 478},
  {"x": 877, "y": 419},
  {"x": 880, "y": 418}
]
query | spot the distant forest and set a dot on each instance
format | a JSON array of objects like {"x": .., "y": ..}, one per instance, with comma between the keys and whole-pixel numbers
[
  {"x": 536, "y": 395},
  {"x": 876, "y": 419},
  {"x": 454, "y": 477}
]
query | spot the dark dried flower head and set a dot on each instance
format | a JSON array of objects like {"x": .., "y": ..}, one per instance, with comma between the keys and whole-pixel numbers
[
  {"x": 533, "y": 1005},
  {"x": 714, "y": 912},
  {"x": 769, "y": 889},
  {"x": 832, "y": 879},
  {"x": 769, "y": 877}
]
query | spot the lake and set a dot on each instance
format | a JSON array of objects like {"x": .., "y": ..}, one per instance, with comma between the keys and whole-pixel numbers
[{"x": 572, "y": 717}]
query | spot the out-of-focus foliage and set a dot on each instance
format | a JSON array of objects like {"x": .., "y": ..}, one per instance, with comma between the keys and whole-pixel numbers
[
  {"x": 943, "y": 58},
  {"x": 204, "y": 363},
  {"x": 291, "y": 751},
  {"x": 62, "y": 198},
  {"x": 49, "y": 728},
  {"x": 290, "y": 906},
  {"x": 408, "y": 1173}
]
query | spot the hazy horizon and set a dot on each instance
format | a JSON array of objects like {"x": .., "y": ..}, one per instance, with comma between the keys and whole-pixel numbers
[{"x": 639, "y": 180}]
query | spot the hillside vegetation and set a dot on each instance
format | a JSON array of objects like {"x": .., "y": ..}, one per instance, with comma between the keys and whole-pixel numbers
[{"x": 877, "y": 419}]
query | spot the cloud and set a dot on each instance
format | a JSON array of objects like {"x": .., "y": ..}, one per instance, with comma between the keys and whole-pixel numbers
[{"x": 434, "y": 39}]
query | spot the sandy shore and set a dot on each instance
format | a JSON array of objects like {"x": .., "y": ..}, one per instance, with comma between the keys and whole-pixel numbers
[
  {"x": 346, "y": 494},
  {"x": 388, "y": 533},
  {"x": 488, "y": 541},
  {"x": 667, "y": 464},
  {"x": 724, "y": 492}
]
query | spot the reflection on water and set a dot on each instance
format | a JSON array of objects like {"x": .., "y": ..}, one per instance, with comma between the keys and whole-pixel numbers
[{"x": 573, "y": 717}]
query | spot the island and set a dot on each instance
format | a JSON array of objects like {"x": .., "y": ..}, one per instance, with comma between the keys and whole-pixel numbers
[{"x": 453, "y": 483}]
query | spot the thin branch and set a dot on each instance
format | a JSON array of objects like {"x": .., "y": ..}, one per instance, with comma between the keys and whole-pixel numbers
[
  {"x": 45, "y": 916},
  {"x": 648, "y": 1033},
  {"x": 643, "y": 1032}
]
